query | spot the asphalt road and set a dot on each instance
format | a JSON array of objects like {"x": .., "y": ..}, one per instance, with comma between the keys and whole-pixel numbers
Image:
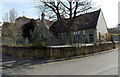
[{"x": 101, "y": 64}]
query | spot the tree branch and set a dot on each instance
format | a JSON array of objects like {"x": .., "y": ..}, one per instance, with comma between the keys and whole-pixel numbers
[
  {"x": 75, "y": 11},
  {"x": 64, "y": 5}
]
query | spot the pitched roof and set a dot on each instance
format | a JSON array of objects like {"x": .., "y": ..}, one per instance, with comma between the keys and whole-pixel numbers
[
  {"x": 49, "y": 23},
  {"x": 23, "y": 17},
  {"x": 83, "y": 21}
]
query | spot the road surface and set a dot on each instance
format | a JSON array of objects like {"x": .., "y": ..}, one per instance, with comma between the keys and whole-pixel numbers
[{"x": 101, "y": 64}]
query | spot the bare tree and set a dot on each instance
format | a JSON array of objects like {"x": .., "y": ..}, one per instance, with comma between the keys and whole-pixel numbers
[
  {"x": 10, "y": 32},
  {"x": 10, "y": 16},
  {"x": 10, "y": 29},
  {"x": 69, "y": 9},
  {"x": 6, "y": 18}
]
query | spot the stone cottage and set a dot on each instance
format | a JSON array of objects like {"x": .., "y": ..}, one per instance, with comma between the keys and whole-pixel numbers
[{"x": 88, "y": 28}]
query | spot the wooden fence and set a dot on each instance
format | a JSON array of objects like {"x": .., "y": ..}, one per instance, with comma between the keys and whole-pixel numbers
[{"x": 55, "y": 52}]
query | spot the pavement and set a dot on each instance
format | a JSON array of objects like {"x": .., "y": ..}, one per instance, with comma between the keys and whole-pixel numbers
[{"x": 100, "y": 64}]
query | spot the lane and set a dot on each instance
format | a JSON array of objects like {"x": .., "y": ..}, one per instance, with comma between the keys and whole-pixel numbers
[
  {"x": 108, "y": 71},
  {"x": 102, "y": 64}
]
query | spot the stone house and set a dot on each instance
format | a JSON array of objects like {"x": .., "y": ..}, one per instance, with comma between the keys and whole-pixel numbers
[
  {"x": 87, "y": 28},
  {"x": 20, "y": 21}
]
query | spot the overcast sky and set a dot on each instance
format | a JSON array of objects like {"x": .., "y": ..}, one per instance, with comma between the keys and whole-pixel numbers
[{"x": 109, "y": 9}]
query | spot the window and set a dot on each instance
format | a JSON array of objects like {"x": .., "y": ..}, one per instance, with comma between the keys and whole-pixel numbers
[{"x": 76, "y": 33}]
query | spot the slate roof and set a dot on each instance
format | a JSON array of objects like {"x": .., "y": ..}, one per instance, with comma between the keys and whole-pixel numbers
[{"x": 83, "y": 21}]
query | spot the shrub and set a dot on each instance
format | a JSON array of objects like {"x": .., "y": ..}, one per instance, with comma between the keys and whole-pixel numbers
[{"x": 38, "y": 42}]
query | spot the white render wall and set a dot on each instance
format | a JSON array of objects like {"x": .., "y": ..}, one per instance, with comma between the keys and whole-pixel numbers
[{"x": 101, "y": 25}]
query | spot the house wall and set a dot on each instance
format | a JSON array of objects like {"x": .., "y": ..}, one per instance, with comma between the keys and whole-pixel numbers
[
  {"x": 91, "y": 31},
  {"x": 84, "y": 36},
  {"x": 101, "y": 25},
  {"x": 88, "y": 32},
  {"x": 77, "y": 37}
]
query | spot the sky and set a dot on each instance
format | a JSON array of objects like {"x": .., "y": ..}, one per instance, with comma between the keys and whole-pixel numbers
[
  {"x": 26, "y": 8},
  {"x": 119, "y": 13}
]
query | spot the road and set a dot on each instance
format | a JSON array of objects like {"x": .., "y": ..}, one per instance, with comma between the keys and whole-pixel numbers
[{"x": 100, "y": 64}]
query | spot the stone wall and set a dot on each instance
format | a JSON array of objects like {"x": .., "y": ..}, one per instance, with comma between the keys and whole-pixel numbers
[{"x": 56, "y": 52}]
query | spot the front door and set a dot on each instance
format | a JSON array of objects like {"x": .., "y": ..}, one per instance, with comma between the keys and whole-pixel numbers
[{"x": 91, "y": 38}]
